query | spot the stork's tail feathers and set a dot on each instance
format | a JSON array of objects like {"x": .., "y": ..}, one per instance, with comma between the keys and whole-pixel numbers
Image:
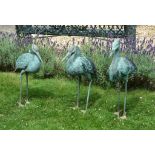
[
  {"x": 15, "y": 70},
  {"x": 94, "y": 70},
  {"x": 133, "y": 66}
]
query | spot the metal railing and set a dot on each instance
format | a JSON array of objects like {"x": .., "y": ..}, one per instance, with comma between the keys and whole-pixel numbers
[{"x": 113, "y": 31}]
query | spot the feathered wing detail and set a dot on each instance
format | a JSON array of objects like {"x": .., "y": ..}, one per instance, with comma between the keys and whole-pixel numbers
[
  {"x": 121, "y": 68},
  {"x": 126, "y": 66},
  {"x": 113, "y": 72},
  {"x": 23, "y": 61},
  {"x": 132, "y": 66},
  {"x": 88, "y": 66},
  {"x": 81, "y": 65}
]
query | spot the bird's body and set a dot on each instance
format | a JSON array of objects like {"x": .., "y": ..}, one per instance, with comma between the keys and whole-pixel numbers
[
  {"x": 79, "y": 65},
  {"x": 120, "y": 69},
  {"x": 28, "y": 63}
]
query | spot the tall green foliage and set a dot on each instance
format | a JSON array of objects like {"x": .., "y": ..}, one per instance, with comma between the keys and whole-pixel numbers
[{"x": 52, "y": 66}]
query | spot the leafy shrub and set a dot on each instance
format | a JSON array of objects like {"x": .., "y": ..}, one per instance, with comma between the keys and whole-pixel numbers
[
  {"x": 96, "y": 49},
  {"x": 8, "y": 54},
  {"x": 52, "y": 65},
  {"x": 145, "y": 76}
]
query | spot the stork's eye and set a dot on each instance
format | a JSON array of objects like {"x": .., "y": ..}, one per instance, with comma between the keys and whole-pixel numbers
[{"x": 72, "y": 53}]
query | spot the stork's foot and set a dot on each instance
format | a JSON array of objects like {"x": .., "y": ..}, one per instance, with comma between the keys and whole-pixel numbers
[
  {"x": 117, "y": 113},
  {"x": 27, "y": 102},
  {"x": 83, "y": 111},
  {"x": 20, "y": 105},
  {"x": 75, "y": 108},
  {"x": 123, "y": 117}
]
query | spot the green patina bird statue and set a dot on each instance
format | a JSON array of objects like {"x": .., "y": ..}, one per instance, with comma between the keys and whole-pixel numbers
[
  {"x": 121, "y": 68},
  {"x": 28, "y": 63},
  {"x": 79, "y": 65}
]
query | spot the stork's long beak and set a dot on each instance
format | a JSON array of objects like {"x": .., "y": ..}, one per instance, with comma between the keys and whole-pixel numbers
[
  {"x": 40, "y": 58},
  {"x": 111, "y": 53},
  {"x": 67, "y": 55}
]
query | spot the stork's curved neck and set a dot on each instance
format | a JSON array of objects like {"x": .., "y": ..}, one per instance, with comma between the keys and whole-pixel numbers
[
  {"x": 116, "y": 56},
  {"x": 117, "y": 53},
  {"x": 73, "y": 57},
  {"x": 36, "y": 54}
]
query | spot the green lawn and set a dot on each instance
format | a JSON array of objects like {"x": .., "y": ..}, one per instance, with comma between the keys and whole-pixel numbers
[{"x": 52, "y": 99}]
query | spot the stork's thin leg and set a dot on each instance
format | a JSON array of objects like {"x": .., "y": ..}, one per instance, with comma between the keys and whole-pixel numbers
[
  {"x": 78, "y": 91},
  {"x": 124, "y": 112},
  {"x": 20, "y": 101},
  {"x": 88, "y": 94},
  {"x": 126, "y": 85},
  {"x": 118, "y": 91},
  {"x": 118, "y": 108},
  {"x": 78, "y": 94},
  {"x": 27, "y": 101}
]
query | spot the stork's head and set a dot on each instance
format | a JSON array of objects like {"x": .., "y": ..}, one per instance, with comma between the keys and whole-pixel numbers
[
  {"x": 73, "y": 51},
  {"x": 115, "y": 46},
  {"x": 35, "y": 50}
]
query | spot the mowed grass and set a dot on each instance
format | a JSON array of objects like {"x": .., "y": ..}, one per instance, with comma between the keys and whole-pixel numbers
[{"x": 51, "y": 101}]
